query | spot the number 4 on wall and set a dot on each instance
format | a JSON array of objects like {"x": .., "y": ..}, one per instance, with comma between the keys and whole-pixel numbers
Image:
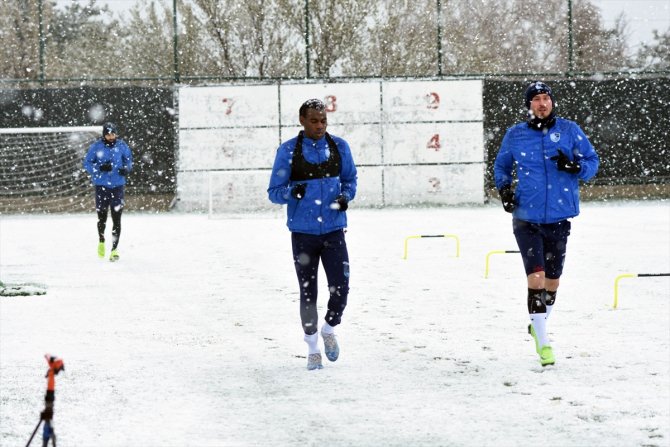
[{"x": 434, "y": 142}]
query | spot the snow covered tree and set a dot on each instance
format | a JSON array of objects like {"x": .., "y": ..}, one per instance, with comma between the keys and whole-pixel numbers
[
  {"x": 148, "y": 53},
  {"x": 656, "y": 55},
  {"x": 77, "y": 41},
  {"x": 595, "y": 48},
  {"x": 84, "y": 41},
  {"x": 399, "y": 41}
]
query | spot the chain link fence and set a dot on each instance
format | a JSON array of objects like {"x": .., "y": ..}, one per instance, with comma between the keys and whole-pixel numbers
[{"x": 52, "y": 44}]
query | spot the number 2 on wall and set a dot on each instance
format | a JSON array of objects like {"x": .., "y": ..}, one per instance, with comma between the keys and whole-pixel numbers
[
  {"x": 433, "y": 100},
  {"x": 434, "y": 184}
]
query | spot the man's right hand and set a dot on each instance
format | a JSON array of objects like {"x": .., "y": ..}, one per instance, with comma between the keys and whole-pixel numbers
[
  {"x": 106, "y": 167},
  {"x": 507, "y": 198},
  {"x": 298, "y": 190}
]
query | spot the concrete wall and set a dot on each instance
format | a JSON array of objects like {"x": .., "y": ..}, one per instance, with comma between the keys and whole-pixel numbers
[{"x": 414, "y": 142}]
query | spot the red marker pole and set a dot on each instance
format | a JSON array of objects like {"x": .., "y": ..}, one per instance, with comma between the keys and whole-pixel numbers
[{"x": 55, "y": 366}]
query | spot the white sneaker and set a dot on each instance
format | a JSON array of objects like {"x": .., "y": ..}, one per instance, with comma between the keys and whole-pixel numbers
[
  {"x": 330, "y": 346},
  {"x": 314, "y": 361}
]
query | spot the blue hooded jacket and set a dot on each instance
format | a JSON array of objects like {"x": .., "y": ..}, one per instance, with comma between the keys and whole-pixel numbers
[
  {"x": 118, "y": 154},
  {"x": 313, "y": 213},
  {"x": 543, "y": 193}
]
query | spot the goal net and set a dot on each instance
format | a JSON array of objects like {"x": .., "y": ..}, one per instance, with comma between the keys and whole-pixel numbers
[{"x": 41, "y": 169}]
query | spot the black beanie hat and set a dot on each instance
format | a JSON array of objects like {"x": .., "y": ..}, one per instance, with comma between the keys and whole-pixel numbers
[
  {"x": 108, "y": 128},
  {"x": 535, "y": 88}
]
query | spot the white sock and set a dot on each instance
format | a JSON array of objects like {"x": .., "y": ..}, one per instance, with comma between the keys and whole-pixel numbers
[
  {"x": 327, "y": 329},
  {"x": 539, "y": 322},
  {"x": 550, "y": 306},
  {"x": 313, "y": 343}
]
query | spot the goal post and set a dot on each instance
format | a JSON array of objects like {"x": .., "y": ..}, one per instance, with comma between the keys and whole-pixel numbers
[
  {"x": 41, "y": 168},
  {"x": 38, "y": 130}
]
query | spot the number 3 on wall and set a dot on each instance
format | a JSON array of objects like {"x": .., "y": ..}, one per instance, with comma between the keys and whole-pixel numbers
[
  {"x": 434, "y": 142},
  {"x": 331, "y": 103}
]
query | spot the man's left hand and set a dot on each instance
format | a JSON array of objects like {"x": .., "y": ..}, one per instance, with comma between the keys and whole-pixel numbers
[
  {"x": 563, "y": 163},
  {"x": 341, "y": 203}
]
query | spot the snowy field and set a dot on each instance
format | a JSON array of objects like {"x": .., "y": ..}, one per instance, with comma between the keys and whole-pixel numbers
[{"x": 193, "y": 338}]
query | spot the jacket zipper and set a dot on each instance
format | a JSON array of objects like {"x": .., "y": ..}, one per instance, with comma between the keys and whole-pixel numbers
[
  {"x": 546, "y": 180},
  {"x": 295, "y": 210}
]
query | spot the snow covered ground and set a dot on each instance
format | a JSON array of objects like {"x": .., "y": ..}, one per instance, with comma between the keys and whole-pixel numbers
[{"x": 193, "y": 338}]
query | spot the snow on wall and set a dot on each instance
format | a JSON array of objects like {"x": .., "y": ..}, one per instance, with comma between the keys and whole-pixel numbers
[{"x": 414, "y": 142}]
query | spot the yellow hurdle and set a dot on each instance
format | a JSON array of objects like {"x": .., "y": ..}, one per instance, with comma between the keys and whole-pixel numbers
[
  {"x": 452, "y": 236},
  {"x": 495, "y": 252},
  {"x": 630, "y": 275}
]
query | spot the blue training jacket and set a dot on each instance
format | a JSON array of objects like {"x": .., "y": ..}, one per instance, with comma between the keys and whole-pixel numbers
[
  {"x": 313, "y": 213},
  {"x": 543, "y": 193},
  {"x": 98, "y": 154}
]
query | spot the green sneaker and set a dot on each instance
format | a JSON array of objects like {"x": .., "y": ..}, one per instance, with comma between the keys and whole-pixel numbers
[
  {"x": 101, "y": 249},
  {"x": 531, "y": 331},
  {"x": 547, "y": 356},
  {"x": 114, "y": 256}
]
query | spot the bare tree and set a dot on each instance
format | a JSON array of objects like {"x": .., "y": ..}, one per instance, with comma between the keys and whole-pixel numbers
[
  {"x": 336, "y": 27},
  {"x": 219, "y": 19},
  {"x": 400, "y": 38},
  {"x": 153, "y": 53},
  {"x": 267, "y": 38},
  {"x": 246, "y": 38},
  {"x": 197, "y": 54},
  {"x": 522, "y": 36},
  {"x": 267, "y": 48},
  {"x": 19, "y": 38},
  {"x": 495, "y": 36}
]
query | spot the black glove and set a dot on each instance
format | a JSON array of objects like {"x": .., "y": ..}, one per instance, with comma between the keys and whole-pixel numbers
[
  {"x": 563, "y": 163},
  {"x": 507, "y": 198},
  {"x": 341, "y": 203},
  {"x": 123, "y": 171},
  {"x": 298, "y": 191},
  {"x": 106, "y": 167}
]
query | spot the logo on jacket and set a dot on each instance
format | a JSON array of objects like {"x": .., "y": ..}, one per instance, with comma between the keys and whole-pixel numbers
[{"x": 555, "y": 137}]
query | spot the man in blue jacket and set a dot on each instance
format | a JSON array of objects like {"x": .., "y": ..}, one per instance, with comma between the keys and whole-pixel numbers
[
  {"x": 108, "y": 161},
  {"x": 550, "y": 155},
  {"x": 315, "y": 176}
]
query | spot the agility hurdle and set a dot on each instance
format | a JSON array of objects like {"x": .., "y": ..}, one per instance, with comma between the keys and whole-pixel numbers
[
  {"x": 495, "y": 252},
  {"x": 630, "y": 275},
  {"x": 452, "y": 236}
]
